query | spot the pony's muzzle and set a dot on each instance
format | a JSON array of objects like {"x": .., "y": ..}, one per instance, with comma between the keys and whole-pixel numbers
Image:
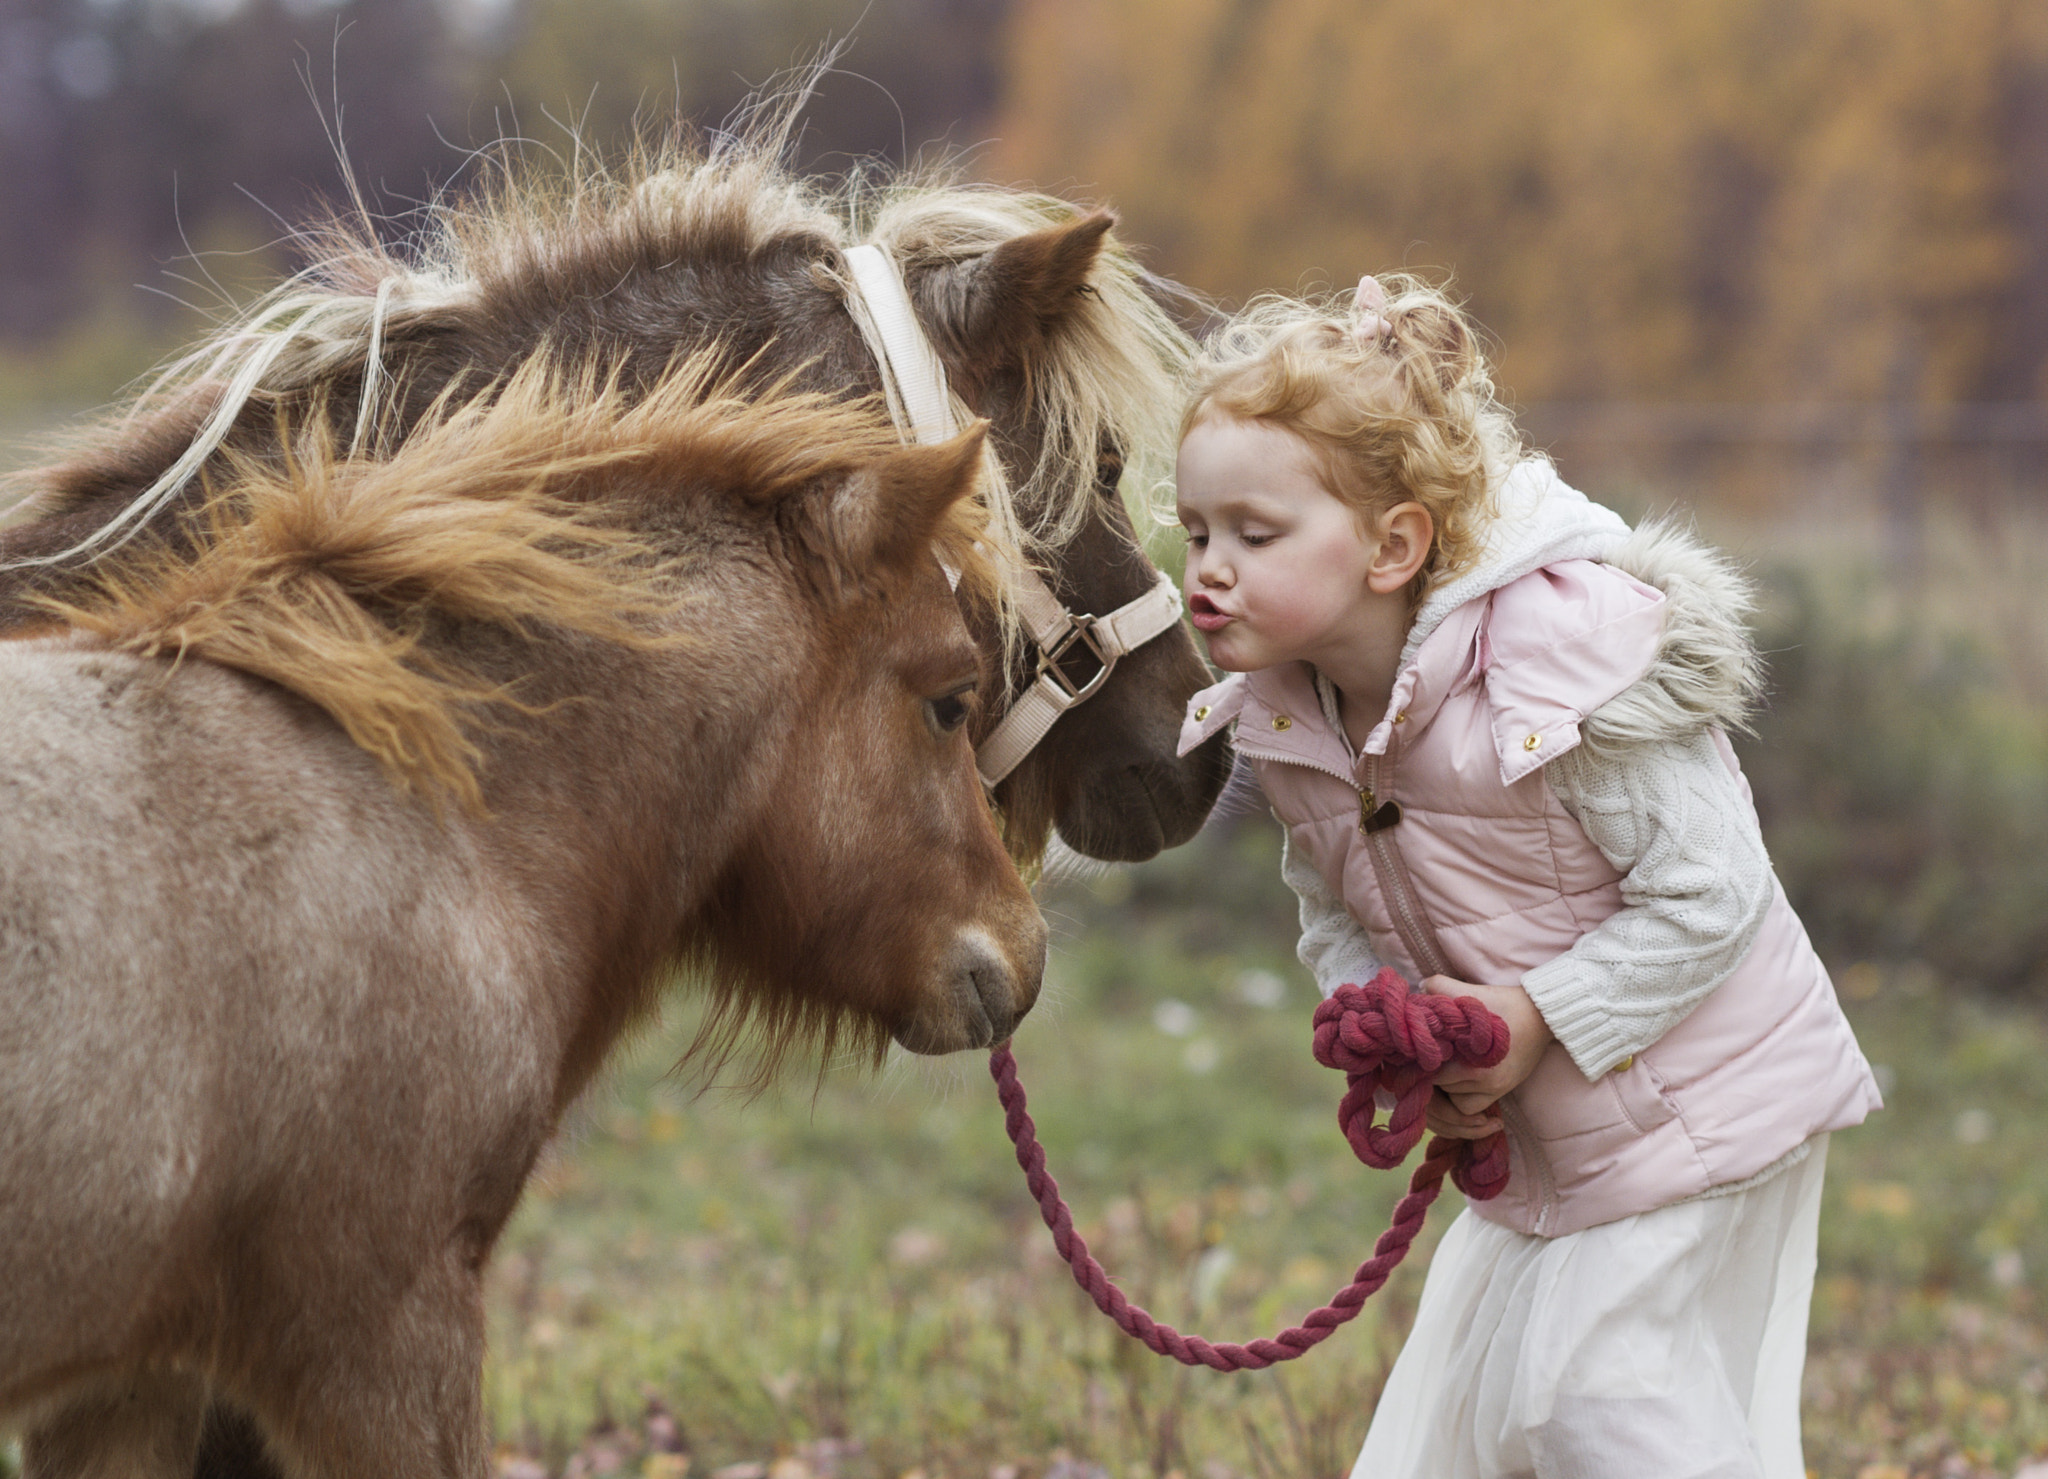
[{"x": 983, "y": 991}]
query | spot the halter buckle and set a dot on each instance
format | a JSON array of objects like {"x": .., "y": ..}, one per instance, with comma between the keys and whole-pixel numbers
[{"x": 1080, "y": 631}]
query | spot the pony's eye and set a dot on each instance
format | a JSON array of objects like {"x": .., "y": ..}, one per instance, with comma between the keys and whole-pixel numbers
[{"x": 948, "y": 713}]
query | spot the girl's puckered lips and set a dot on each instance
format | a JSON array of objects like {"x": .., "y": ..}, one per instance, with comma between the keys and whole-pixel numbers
[{"x": 1203, "y": 613}]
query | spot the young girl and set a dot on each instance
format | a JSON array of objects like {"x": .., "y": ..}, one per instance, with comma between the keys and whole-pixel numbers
[{"x": 1493, "y": 720}]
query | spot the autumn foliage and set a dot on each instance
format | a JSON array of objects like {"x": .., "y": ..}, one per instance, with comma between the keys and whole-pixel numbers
[{"x": 1815, "y": 200}]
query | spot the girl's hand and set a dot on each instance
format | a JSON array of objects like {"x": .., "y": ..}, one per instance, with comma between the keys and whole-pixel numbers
[
  {"x": 1465, "y": 1093},
  {"x": 1446, "y": 1119}
]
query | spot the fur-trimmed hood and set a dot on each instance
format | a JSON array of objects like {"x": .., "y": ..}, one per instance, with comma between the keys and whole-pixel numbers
[{"x": 1706, "y": 673}]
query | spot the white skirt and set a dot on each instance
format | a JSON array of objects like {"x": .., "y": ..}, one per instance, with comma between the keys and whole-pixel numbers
[{"x": 1670, "y": 1343}]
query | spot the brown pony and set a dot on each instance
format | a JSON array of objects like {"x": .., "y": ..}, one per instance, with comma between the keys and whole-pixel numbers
[
  {"x": 1045, "y": 324},
  {"x": 664, "y": 675}
]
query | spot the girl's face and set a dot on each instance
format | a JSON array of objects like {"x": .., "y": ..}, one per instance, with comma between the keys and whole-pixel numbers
[{"x": 1278, "y": 570}]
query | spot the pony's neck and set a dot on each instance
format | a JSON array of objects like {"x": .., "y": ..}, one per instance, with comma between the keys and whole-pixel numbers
[{"x": 614, "y": 814}]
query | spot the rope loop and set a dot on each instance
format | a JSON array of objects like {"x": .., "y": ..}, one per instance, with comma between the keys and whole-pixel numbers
[
  {"x": 1383, "y": 1037},
  {"x": 1387, "y": 1039}
]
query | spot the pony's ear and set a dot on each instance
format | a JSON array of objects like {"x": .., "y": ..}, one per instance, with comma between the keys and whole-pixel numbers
[
  {"x": 885, "y": 516},
  {"x": 1003, "y": 302}
]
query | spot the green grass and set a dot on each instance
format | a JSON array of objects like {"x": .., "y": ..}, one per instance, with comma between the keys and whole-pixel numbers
[
  {"x": 1929, "y": 1342},
  {"x": 855, "y": 1283},
  {"x": 866, "y": 1265}
]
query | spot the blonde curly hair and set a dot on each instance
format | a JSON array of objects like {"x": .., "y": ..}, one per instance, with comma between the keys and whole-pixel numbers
[{"x": 1394, "y": 410}]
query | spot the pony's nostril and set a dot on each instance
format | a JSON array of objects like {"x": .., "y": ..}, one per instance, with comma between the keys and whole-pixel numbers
[
  {"x": 997, "y": 1011},
  {"x": 980, "y": 993},
  {"x": 984, "y": 988}
]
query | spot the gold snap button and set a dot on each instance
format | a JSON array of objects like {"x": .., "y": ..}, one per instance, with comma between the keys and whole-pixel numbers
[
  {"x": 1400, "y": 718},
  {"x": 1532, "y": 741},
  {"x": 1201, "y": 713},
  {"x": 1625, "y": 1064},
  {"x": 1281, "y": 721}
]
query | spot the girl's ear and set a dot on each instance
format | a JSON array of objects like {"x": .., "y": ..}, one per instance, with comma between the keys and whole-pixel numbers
[{"x": 1406, "y": 534}]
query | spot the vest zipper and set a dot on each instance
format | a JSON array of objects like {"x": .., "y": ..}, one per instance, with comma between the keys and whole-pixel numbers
[
  {"x": 1329, "y": 770},
  {"x": 1393, "y": 879},
  {"x": 1420, "y": 938},
  {"x": 1402, "y": 908}
]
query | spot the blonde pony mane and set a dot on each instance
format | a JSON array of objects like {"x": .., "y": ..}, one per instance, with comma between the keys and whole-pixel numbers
[
  {"x": 329, "y": 574},
  {"x": 1109, "y": 371}
]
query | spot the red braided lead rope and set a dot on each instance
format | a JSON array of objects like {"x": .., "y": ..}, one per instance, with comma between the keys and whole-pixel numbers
[{"x": 1382, "y": 1036}]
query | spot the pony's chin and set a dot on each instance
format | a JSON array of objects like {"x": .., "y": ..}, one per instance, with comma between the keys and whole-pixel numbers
[
  {"x": 1135, "y": 836},
  {"x": 1138, "y": 812}
]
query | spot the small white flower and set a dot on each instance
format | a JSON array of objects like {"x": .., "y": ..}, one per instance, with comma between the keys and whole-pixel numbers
[
  {"x": 1260, "y": 989},
  {"x": 1974, "y": 1127}
]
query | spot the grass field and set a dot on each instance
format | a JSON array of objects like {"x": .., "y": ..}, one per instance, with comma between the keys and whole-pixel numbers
[
  {"x": 845, "y": 1279},
  {"x": 853, "y": 1282}
]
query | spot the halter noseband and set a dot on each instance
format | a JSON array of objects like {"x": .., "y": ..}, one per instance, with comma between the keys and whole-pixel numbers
[{"x": 914, "y": 381}]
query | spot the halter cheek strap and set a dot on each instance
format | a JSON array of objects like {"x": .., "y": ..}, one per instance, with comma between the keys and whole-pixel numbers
[
  {"x": 912, "y": 375},
  {"x": 914, "y": 380}
]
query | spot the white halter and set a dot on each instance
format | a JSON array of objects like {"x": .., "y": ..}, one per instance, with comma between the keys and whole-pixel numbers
[{"x": 915, "y": 382}]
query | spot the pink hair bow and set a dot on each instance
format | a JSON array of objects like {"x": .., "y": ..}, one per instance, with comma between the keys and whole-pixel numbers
[{"x": 1367, "y": 322}]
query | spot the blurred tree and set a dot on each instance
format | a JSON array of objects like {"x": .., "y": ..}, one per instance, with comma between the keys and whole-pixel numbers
[
  {"x": 134, "y": 133},
  {"x": 1808, "y": 199},
  {"x": 912, "y": 73},
  {"x": 39, "y": 182}
]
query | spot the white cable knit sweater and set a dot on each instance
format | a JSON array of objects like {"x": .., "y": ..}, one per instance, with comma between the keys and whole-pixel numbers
[{"x": 1650, "y": 788}]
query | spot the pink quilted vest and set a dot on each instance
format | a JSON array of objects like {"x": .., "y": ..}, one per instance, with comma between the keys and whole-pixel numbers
[{"x": 1509, "y": 881}]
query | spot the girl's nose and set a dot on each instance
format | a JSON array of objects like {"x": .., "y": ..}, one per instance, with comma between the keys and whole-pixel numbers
[{"x": 1211, "y": 568}]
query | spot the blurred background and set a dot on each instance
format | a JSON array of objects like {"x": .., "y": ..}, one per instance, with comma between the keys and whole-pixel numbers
[{"x": 1776, "y": 266}]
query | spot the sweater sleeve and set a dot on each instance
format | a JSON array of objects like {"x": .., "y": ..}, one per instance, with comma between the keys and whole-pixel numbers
[
  {"x": 1333, "y": 945},
  {"x": 1697, "y": 886}
]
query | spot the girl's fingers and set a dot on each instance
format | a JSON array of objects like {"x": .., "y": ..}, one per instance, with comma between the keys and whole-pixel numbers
[
  {"x": 1473, "y": 1105},
  {"x": 1472, "y": 1092},
  {"x": 1461, "y": 1129},
  {"x": 1446, "y": 1116}
]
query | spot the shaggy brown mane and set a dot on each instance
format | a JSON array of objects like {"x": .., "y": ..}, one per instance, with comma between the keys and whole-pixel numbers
[
  {"x": 327, "y": 575},
  {"x": 538, "y": 233}
]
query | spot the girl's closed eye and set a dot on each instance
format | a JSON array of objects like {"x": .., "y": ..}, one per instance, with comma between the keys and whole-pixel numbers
[{"x": 1258, "y": 540}]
